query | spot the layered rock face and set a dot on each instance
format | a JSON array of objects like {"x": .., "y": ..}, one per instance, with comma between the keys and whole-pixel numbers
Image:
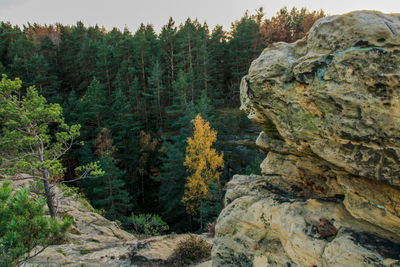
[{"x": 329, "y": 107}]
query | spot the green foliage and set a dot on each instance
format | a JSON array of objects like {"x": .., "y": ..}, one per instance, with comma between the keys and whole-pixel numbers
[
  {"x": 211, "y": 207},
  {"x": 24, "y": 228},
  {"x": 129, "y": 82},
  {"x": 70, "y": 191},
  {"x": 85, "y": 251},
  {"x": 254, "y": 166},
  {"x": 190, "y": 250},
  {"x": 35, "y": 137},
  {"x": 61, "y": 252},
  {"x": 148, "y": 224},
  {"x": 26, "y": 123},
  {"x": 172, "y": 181},
  {"x": 109, "y": 193}
]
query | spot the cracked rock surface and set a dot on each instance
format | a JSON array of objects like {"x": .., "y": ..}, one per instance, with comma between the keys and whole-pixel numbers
[{"x": 329, "y": 108}]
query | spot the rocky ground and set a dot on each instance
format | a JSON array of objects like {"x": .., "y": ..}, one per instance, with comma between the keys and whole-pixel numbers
[
  {"x": 94, "y": 241},
  {"x": 156, "y": 251},
  {"x": 329, "y": 107}
]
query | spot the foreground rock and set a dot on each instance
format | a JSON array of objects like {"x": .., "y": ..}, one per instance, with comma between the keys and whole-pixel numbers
[
  {"x": 329, "y": 107},
  {"x": 92, "y": 240},
  {"x": 157, "y": 251}
]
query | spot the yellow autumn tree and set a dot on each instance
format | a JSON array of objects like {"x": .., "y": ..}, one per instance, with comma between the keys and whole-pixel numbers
[{"x": 202, "y": 162}]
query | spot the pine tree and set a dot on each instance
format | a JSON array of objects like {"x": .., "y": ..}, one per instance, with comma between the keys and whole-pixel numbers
[
  {"x": 180, "y": 102},
  {"x": 147, "y": 168},
  {"x": 217, "y": 69},
  {"x": 108, "y": 191},
  {"x": 154, "y": 94},
  {"x": 211, "y": 206},
  {"x": 172, "y": 186},
  {"x": 204, "y": 107},
  {"x": 245, "y": 45},
  {"x": 167, "y": 41},
  {"x": 25, "y": 230},
  {"x": 26, "y": 135},
  {"x": 92, "y": 108}
]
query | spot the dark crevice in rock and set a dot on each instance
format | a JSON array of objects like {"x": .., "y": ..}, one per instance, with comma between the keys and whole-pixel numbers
[
  {"x": 362, "y": 43},
  {"x": 334, "y": 199},
  {"x": 391, "y": 28},
  {"x": 384, "y": 247},
  {"x": 269, "y": 128},
  {"x": 279, "y": 195}
]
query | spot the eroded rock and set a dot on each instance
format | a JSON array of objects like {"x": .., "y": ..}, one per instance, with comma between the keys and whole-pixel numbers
[
  {"x": 329, "y": 194},
  {"x": 92, "y": 241}
]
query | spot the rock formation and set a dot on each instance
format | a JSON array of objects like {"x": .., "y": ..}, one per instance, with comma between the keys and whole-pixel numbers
[
  {"x": 92, "y": 241},
  {"x": 329, "y": 108}
]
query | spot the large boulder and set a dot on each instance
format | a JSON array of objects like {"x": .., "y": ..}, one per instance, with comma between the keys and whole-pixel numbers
[{"x": 329, "y": 108}]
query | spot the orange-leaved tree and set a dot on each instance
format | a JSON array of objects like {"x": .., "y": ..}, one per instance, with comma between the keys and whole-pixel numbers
[{"x": 202, "y": 162}]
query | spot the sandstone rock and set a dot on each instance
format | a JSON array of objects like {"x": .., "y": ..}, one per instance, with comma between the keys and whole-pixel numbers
[
  {"x": 329, "y": 108},
  {"x": 156, "y": 251},
  {"x": 91, "y": 241},
  {"x": 334, "y": 94},
  {"x": 271, "y": 229}
]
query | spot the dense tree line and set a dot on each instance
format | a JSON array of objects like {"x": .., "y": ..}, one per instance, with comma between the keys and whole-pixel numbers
[{"x": 135, "y": 95}]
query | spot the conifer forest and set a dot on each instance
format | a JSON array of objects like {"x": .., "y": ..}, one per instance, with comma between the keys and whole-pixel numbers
[{"x": 146, "y": 103}]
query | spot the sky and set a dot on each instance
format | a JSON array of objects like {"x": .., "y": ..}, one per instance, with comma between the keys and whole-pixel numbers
[{"x": 130, "y": 13}]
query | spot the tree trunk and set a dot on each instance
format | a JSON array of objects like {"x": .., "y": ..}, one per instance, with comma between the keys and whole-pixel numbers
[
  {"x": 143, "y": 71},
  {"x": 46, "y": 179},
  {"x": 201, "y": 221},
  {"x": 159, "y": 101},
  {"x": 49, "y": 195}
]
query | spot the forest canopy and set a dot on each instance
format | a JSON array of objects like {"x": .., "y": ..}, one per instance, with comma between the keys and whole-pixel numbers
[{"x": 134, "y": 96}]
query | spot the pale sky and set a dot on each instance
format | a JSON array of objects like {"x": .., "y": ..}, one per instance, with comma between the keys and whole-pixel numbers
[{"x": 118, "y": 13}]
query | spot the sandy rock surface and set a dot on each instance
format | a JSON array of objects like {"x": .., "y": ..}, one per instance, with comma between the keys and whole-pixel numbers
[{"x": 329, "y": 108}]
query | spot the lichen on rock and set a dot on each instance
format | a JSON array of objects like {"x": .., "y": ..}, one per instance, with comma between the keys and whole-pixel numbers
[{"x": 329, "y": 108}]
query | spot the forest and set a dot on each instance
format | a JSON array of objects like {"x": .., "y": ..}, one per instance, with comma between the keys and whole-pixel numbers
[{"x": 136, "y": 95}]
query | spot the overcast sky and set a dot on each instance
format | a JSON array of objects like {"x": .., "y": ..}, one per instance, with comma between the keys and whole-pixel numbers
[{"x": 118, "y": 13}]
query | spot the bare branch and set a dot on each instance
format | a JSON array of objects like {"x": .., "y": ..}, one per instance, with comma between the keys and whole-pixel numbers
[
  {"x": 37, "y": 192},
  {"x": 20, "y": 177},
  {"x": 18, "y": 263},
  {"x": 84, "y": 175}
]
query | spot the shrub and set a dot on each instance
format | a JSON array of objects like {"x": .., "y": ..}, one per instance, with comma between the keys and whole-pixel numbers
[
  {"x": 25, "y": 230},
  {"x": 149, "y": 224},
  {"x": 190, "y": 250},
  {"x": 254, "y": 166}
]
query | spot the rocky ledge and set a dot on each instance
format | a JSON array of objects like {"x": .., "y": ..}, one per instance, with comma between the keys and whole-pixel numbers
[
  {"x": 94, "y": 241},
  {"x": 329, "y": 108}
]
